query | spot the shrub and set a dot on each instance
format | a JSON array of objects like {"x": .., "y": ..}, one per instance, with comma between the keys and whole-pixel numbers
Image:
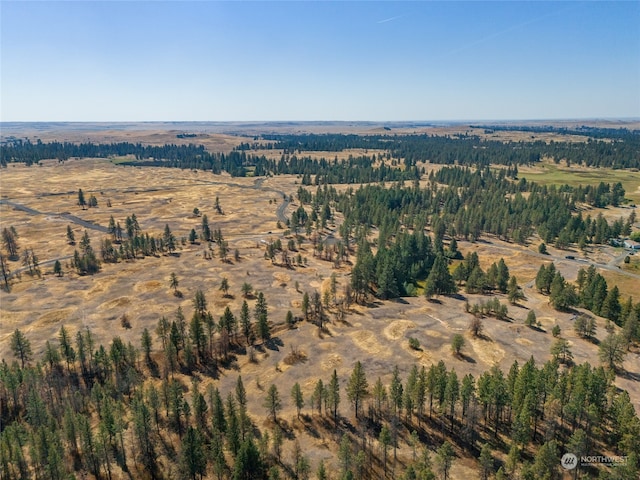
[
  {"x": 414, "y": 343},
  {"x": 125, "y": 322},
  {"x": 457, "y": 342},
  {"x": 531, "y": 319}
]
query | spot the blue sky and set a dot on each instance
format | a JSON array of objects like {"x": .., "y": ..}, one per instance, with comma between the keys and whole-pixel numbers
[{"x": 259, "y": 61}]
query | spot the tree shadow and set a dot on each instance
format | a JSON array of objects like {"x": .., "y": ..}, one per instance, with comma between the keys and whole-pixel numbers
[
  {"x": 230, "y": 362},
  {"x": 457, "y": 296},
  {"x": 274, "y": 344},
  {"x": 322, "y": 332},
  {"x": 310, "y": 428},
  {"x": 153, "y": 368},
  {"x": 483, "y": 336},
  {"x": 345, "y": 322},
  {"x": 466, "y": 358},
  {"x": 373, "y": 304},
  {"x": 635, "y": 376},
  {"x": 536, "y": 328},
  {"x": 400, "y": 300}
]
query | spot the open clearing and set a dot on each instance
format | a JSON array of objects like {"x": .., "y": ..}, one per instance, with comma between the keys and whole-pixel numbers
[{"x": 548, "y": 173}]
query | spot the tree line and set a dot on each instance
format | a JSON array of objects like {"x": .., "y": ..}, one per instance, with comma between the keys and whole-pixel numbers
[
  {"x": 615, "y": 149},
  {"x": 618, "y": 150}
]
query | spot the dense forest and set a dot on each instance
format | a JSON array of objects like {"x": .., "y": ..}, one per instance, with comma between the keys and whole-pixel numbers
[
  {"x": 583, "y": 130},
  {"x": 622, "y": 151}
]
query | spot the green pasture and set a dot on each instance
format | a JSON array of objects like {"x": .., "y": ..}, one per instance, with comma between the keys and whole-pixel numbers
[{"x": 558, "y": 175}]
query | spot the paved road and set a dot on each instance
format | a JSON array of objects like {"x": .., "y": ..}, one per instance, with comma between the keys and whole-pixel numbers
[
  {"x": 46, "y": 262},
  {"x": 68, "y": 216}
]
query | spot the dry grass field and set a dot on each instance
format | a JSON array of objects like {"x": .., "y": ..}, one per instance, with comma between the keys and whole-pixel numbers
[{"x": 377, "y": 334}]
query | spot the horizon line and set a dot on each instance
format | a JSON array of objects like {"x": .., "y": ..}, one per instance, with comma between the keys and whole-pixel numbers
[{"x": 424, "y": 121}]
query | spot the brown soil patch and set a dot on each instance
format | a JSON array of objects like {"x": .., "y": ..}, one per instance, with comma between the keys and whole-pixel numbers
[
  {"x": 150, "y": 286},
  {"x": 55, "y": 316},
  {"x": 433, "y": 333},
  {"x": 487, "y": 351},
  {"x": 368, "y": 342},
  {"x": 118, "y": 302},
  {"x": 422, "y": 357},
  {"x": 396, "y": 329},
  {"x": 333, "y": 361}
]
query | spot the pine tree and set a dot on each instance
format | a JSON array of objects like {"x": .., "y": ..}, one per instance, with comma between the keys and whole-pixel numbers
[
  {"x": 71, "y": 238},
  {"x": 318, "y": 396},
  {"x": 395, "y": 392},
  {"x": 486, "y": 462},
  {"x": 451, "y": 394},
  {"x": 560, "y": 350},
  {"x": 206, "y": 231},
  {"x": 321, "y": 473},
  {"x": 296, "y": 396},
  {"x": 502, "y": 276},
  {"x": 260, "y": 315},
  {"x": 612, "y": 351},
  {"x": 224, "y": 286},
  {"x": 513, "y": 291},
  {"x": 440, "y": 281},
  {"x": 272, "y": 402},
  {"x": 57, "y": 268},
  {"x": 444, "y": 459},
  {"x": 169, "y": 239},
  {"x": 5, "y": 272},
  {"x": 245, "y": 323},
  {"x": 547, "y": 460},
  {"x": 611, "y": 307},
  {"x": 385, "y": 441},
  {"x": 457, "y": 342},
  {"x": 147, "y": 343},
  {"x": 192, "y": 454},
  {"x": 248, "y": 464},
  {"x": 21, "y": 347},
  {"x": 66, "y": 349},
  {"x": 531, "y": 320},
  {"x": 358, "y": 387},
  {"x": 173, "y": 283},
  {"x": 81, "y": 200}
]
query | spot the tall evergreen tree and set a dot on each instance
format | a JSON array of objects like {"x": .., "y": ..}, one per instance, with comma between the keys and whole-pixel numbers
[
  {"x": 21, "y": 347},
  {"x": 440, "y": 281},
  {"x": 272, "y": 402},
  {"x": 358, "y": 387}
]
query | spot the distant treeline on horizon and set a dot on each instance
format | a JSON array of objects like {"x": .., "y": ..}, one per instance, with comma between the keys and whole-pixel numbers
[{"x": 612, "y": 148}]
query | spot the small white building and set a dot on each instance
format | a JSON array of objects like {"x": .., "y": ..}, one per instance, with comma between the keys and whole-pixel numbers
[{"x": 631, "y": 244}]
